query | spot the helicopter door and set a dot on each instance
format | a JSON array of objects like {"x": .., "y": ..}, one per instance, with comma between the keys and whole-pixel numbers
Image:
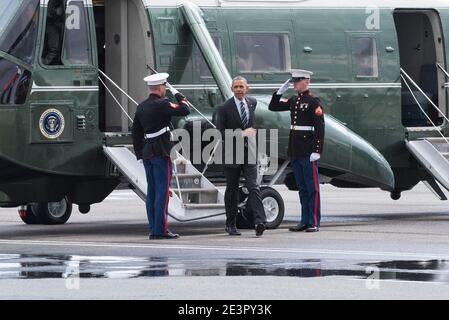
[
  {"x": 125, "y": 34},
  {"x": 421, "y": 48},
  {"x": 64, "y": 90}
]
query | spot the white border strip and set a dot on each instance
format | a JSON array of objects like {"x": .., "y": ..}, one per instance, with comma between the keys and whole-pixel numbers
[
  {"x": 302, "y": 4},
  {"x": 87, "y": 3},
  {"x": 37, "y": 88},
  {"x": 313, "y": 85}
]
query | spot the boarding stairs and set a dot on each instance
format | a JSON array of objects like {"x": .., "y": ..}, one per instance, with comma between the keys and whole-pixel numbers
[
  {"x": 433, "y": 155},
  {"x": 192, "y": 195},
  {"x": 431, "y": 152}
]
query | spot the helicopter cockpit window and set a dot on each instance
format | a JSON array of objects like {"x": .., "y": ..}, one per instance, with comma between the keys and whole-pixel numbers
[
  {"x": 76, "y": 39},
  {"x": 54, "y": 33},
  {"x": 14, "y": 83},
  {"x": 263, "y": 52},
  {"x": 364, "y": 53},
  {"x": 19, "y": 21},
  {"x": 66, "y": 38}
]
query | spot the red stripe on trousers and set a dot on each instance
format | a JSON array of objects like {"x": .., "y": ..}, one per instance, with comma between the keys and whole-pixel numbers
[
  {"x": 315, "y": 183},
  {"x": 166, "y": 197}
]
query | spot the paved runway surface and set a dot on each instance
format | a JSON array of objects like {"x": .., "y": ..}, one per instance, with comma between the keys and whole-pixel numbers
[{"x": 369, "y": 247}]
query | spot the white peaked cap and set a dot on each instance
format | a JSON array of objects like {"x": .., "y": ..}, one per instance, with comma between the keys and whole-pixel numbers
[
  {"x": 298, "y": 73},
  {"x": 156, "y": 79}
]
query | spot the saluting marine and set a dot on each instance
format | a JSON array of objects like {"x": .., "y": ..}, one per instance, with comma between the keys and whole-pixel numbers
[
  {"x": 152, "y": 144},
  {"x": 305, "y": 144}
]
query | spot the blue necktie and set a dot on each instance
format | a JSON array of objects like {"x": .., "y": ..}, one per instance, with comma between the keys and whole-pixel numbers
[{"x": 243, "y": 114}]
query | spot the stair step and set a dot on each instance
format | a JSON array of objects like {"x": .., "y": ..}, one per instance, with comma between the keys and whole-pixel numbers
[
  {"x": 187, "y": 175},
  {"x": 198, "y": 196},
  {"x": 205, "y": 206},
  {"x": 440, "y": 144},
  {"x": 180, "y": 168},
  {"x": 186, "y": 180},
  {"x": 196, "y": 190},
  {"x": 437, "y": 140},
  {"x": 443, "y": 148}
]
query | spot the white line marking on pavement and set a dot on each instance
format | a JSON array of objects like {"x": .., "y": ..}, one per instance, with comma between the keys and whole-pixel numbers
[
  {"x": 398, "y": 281},
  {"x": 237, "y": 249}
]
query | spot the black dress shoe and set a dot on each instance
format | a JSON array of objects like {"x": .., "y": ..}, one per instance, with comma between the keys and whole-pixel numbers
[
  {"x": 260, "y": 228},
  {"x": 232, "y": 231},
  {"x": 168, "y": 235},
  {"x": 299, "y": 227},
  {"x": 312, "y": 229}
]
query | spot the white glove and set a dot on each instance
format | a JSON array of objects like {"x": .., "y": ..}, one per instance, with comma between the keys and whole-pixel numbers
[
  {"x": 314, "y": 157},
  {"x": 172, "y": 90},
  {"x": 284, "y": 88},
  {"x": 140, "y": 161}
]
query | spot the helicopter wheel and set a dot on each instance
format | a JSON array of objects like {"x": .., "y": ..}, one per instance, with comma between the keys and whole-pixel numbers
[
  {"x": 274, "y": 210},
  {"x": 274, "y": 207},
  {"x": 27, "y": 215},
  {"x": 52, "y": 213}
]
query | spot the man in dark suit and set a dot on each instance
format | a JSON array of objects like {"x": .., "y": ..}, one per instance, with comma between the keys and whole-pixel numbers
[{"x": 235, "y": 119}]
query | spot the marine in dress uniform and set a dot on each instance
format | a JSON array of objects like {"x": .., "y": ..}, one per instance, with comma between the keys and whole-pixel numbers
[
  {"x": 305, "y": 144},
  {"x": 152, "y": 144}
]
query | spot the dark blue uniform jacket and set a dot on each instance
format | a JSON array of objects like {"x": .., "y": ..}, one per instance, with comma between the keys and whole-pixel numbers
[
  {"x": 151, "y": 116},
  {"x": 305, "y": 110}
]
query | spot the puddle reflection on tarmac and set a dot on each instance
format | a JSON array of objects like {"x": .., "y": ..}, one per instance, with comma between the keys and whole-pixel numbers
[{"x": 15, "y": 266}]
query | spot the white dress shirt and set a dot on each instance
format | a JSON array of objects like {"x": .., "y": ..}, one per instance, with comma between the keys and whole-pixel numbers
[{"x": 238, "y": 103}]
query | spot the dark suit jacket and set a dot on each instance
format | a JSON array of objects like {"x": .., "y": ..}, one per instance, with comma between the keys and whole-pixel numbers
[{"x": 228, "y": 117}]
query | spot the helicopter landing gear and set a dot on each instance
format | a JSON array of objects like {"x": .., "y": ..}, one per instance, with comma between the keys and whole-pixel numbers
[
  {"x": 27, "y": 215},
  {"x": 50, "y": 213},
  {"x": 395, "y": 194},
  {"x": 273, "y": 205}
]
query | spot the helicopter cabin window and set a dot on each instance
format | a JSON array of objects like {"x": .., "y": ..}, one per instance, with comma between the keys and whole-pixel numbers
[
  {"x": 364, "y": 53},
  {"x": 19, "y": 22},
  {"x": 54, "y": 33},
  {"x": 76, "y": 40},
  {"x": 262, "y": 52},
  {"x": 66, "y": 35},
  {"x": 14, "y": 83}
]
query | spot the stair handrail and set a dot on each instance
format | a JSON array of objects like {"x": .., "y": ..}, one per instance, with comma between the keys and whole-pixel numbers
[
  {"x": 446, "y": 85},
  {"x": 117, "y": 86},
  {"x": 116, "y": 100},
  {"x": 422, "y": 92},
  {"x": 442, "y": 69},
  {"x": 422, "y": 109}
]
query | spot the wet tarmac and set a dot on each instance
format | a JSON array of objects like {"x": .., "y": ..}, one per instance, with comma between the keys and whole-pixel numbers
[
  {"x": 364, "y": 236},
  {"x": 20, "y": 266}
]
